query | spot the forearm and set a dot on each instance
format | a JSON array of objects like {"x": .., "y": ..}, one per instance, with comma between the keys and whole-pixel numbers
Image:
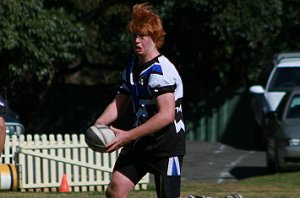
[
  {"x": 164, "y": 117},
  {"x": 114, "y": 110},
  {"x": 109, "y": 115},
  {"x": 153, "y": 125},
  {"x": 2, "y": 134}
]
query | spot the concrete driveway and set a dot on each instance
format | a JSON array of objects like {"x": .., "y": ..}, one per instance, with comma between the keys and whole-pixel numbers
[{"x": 216, "y": 162}]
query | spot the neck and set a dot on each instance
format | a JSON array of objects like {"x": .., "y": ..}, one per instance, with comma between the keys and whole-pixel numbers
[{"x": 148, "y": 55}]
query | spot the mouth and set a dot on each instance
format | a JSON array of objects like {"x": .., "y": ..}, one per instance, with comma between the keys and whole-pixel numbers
[{"x": 137, "y": 49}]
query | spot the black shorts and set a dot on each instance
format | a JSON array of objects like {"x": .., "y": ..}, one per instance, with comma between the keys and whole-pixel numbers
[{"x": 166, "y": 171}]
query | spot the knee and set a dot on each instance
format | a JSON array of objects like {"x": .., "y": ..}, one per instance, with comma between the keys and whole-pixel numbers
[
  {"x": 118, "y": 190},
  {"x": 119, "y": 186},
  {"x": 114, "y": 191},
  {"x": 110, "y": 191}
]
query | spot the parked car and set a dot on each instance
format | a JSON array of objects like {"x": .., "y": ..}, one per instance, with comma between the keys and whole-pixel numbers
[
  {"x": 12, "y": 119},
  {"x": 13, "y": 124},
  {"x": 284, "y": 76},
  {"x": 13, "y": 127},
  {"x": 282, "y": 131}
]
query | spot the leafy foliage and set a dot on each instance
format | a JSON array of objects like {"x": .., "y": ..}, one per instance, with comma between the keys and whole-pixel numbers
[
  {"x": 232, "y": 38},
  {"x": 34, "y": 40}
]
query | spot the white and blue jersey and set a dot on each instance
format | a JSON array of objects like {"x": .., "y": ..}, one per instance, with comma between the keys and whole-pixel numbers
[{"x": 143, "y": 83}]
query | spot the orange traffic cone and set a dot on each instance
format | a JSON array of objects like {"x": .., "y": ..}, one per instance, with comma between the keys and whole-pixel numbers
[{"x": 64, "y": 185}]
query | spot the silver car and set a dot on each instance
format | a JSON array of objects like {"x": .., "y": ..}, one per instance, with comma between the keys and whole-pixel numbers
[
  {"x": 284, "y": 76},
  {"x": 282, "y": 132}
]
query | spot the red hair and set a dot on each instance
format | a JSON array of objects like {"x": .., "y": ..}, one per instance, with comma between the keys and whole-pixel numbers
[{"x": 146, "y": 21}]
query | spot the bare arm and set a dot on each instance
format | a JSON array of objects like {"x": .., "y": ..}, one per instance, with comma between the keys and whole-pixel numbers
[
  {"x": 2, "y": 134},
  {"x": 164, "y": 116},
  {"x": 114, "y": 110}
]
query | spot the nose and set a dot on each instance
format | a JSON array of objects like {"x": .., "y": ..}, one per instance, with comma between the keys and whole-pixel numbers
[{"x": 137, "y": 38}]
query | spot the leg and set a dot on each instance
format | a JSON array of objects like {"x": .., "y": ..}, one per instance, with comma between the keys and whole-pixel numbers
[
  {"x": 167, "y": 186},
  {"x": 167, "y": 175},
  {"x": 128, "y": 171},
  {"x": 119, "y": 187}
]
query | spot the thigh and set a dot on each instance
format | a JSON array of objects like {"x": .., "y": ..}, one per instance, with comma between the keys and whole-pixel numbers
[
  {"x": 131, "y": 166},
  {"x": 167, "y": 174}
]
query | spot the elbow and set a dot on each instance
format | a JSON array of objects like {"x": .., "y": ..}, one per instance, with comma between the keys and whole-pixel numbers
[{"x": 169, "y": 118}]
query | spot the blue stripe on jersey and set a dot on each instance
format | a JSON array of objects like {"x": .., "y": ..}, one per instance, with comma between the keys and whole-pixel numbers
[
  {"x": 156, "y": 69},
  {"x": 173, "y": 167},
  {"x": 174, "y": 170}
]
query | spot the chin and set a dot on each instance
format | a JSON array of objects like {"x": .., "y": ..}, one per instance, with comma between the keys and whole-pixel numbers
[{"x": 139, "y": 53}]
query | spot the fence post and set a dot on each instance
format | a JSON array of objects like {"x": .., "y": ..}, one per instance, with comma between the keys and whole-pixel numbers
[
  {"x": 60, "y": 154},
  {"x": 83, "y": 158},
  {"x": 45, "y": 163},
  {"x": 37, "y": 161}
]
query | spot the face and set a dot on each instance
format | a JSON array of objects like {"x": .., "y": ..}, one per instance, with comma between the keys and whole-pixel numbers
[{"x": 142, "y": 44}]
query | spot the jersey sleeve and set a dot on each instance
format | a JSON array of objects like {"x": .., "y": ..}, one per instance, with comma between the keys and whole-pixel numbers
[
  {"x": 161, "y": 82},
  {"x": 124, "y": 86}
]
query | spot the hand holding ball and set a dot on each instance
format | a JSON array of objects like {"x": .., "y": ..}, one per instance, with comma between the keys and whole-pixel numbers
[{"x": 97, "y": 136}]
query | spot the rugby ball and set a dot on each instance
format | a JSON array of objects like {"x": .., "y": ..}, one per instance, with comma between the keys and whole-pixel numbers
[{"x": 97, "y": 136}]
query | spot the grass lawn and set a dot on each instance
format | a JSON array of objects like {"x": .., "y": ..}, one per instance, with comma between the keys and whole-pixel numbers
[{"x": 280, "y": 185}]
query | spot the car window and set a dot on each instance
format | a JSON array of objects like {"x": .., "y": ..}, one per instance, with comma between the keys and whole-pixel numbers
[
  {"x": 281, "y": 107},
  {"x": 295, "y": 101},
  {"x": 294, "y": 107},
  {"x": 285, "y": 78}
]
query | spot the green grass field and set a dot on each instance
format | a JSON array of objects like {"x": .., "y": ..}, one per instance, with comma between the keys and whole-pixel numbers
[{"x": 280, "y": 185}]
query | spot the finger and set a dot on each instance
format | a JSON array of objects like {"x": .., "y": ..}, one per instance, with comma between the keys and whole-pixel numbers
[
  {"x": 107, "y": 146},
  {"x": 115, "y": 130},
  {"x": 112, "y": 148}
]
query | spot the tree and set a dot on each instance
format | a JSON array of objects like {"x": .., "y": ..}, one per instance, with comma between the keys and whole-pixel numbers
[
  {"x": 35, "y": 41},
  {"x": 232, "y": 39},
  {"x": 214, "y": 43}
]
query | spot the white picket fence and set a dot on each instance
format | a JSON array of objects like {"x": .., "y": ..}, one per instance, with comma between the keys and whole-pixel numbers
[{"x": 42, "y": 160}]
